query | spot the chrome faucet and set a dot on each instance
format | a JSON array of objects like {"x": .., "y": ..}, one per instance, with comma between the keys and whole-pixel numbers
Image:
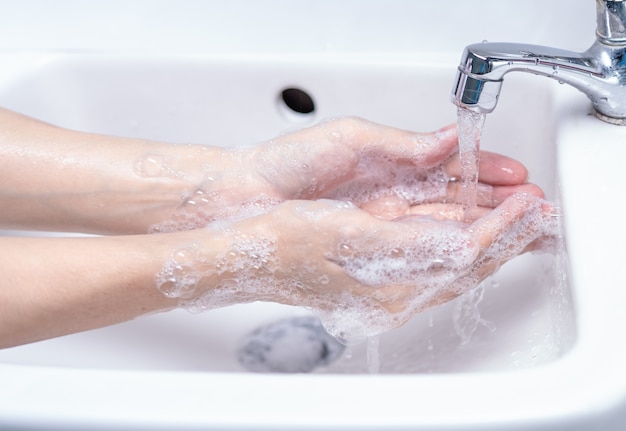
[{"x": 599, "y": 72}]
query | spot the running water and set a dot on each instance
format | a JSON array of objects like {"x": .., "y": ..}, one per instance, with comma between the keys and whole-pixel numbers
[
  {"x": 470, "y": 125},
  {"x": 373, "y": 354},
  {"x": 466, "y": 316}
]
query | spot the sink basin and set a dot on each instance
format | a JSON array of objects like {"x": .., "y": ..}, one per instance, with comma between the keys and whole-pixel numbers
[
  {"x": 526, "y": 320},
  {"x": 539, "y": 347}
]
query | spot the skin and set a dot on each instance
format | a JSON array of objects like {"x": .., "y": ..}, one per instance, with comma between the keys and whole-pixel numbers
[{"x": 57, "y": 179}]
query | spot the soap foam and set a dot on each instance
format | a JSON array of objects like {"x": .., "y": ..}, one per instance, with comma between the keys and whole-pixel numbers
[
  {"x": 377, "y": 177},
  {"x": 208, "y": 209}
]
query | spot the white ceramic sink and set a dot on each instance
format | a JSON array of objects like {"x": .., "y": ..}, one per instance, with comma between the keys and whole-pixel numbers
[{"x": 547, "y": 356}]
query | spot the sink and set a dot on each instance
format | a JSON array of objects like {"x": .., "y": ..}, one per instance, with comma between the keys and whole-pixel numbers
[{"x": 538, "y": 347}]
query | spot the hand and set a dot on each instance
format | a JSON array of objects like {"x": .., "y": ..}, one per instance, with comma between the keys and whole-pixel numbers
[
  {"x": 386, "y": 171},
  {"x": 381, "y": 169},
  {"x": 362, "y": 274}
]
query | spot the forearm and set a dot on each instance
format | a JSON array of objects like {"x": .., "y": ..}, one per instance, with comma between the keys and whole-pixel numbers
[
  {"x": 57, "y": 179},
  {"x": 56, "y": 286}
]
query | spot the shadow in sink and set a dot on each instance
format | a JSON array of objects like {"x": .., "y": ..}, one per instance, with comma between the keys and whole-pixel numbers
[{"x": 522, "y": 317}]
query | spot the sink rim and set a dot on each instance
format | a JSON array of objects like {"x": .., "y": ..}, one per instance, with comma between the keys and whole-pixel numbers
[{"x": 151, "y": 394}]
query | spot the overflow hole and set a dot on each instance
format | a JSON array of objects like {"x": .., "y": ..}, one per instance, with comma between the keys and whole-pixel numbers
[{"x": 298, "y": 100}]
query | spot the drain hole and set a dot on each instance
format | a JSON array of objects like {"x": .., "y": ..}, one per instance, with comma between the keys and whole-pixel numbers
[
  {"x": 295, "y": 345},
  {"x": 298, "y": 100}
]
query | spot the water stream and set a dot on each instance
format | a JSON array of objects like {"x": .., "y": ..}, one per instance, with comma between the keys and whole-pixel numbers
[
  {"x": 373, "y": 354},
  {"x": 467, "y": 317},
  {"x": 470, "y": 126}
]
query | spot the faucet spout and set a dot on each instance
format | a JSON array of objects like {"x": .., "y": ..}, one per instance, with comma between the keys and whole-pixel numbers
[{"x": 599, "y": 72}]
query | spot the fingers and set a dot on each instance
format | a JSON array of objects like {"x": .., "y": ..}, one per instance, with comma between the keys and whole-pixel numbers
[
  {"x": 505, "y": 221},
  {"x": 422, "y": 149},
  {"x": 521, "y": 223},
  {"x": 392, "y": 207},
  {"x": 311, "y": 162},
  {"x": 494, "y": 169},
  {"x": 491, "y": 227}
]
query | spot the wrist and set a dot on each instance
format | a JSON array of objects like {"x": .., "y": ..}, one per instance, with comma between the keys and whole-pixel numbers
[
  {"x": 217, "y": 267},
  {"x": 214, "y": 184}
]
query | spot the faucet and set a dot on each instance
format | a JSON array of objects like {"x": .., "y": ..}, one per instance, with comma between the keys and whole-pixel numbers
[{"x": 599, "y": 72}]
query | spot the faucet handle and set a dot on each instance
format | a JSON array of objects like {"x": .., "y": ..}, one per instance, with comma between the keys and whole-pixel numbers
[{"x": 611, "y": 22}]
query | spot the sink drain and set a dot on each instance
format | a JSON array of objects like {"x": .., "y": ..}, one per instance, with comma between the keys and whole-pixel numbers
[
  {"x": 298, "y": 100},
  {"x": 295, "y": 345},
  {"x": 296, "y": 105}
]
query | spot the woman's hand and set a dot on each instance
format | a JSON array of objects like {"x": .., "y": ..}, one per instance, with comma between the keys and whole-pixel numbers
[
  {"x": 355, "y": 158},
  {"x": 386, "y": 171},
  {"x": 362, "y": 274}
]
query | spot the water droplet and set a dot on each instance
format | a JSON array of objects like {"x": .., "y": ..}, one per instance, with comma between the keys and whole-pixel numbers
[
  {"x": 345, "y": 250},
  {"x": 151, "y": 165}
]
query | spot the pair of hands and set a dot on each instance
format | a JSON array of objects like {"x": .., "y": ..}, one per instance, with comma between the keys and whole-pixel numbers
[{"x": 401, "y": 245}]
